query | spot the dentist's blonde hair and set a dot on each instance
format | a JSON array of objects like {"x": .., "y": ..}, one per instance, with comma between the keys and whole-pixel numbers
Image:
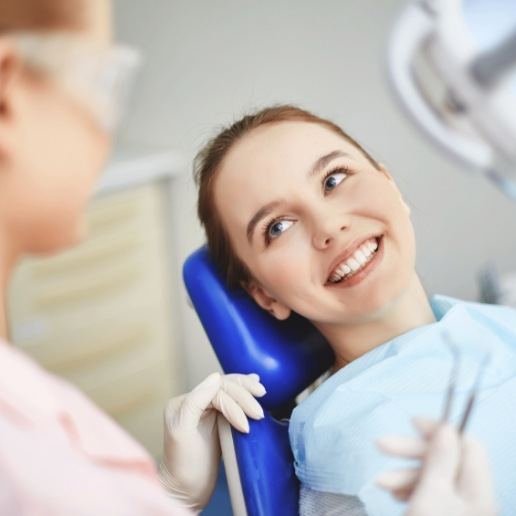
[
  {"x": 208, "y": 162},
  {"x": 42, "y": 15}
]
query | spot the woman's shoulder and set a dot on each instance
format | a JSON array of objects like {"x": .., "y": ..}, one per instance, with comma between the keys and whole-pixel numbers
[
  {"x": 488, "y": 315},
  {"x": 339, "y": 436},
  {"x": 441, "y": 304},
  {"x": 340, "y": 420}
]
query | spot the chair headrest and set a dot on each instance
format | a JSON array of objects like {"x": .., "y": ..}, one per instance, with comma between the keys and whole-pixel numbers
[{"x": 288, "y": 355}]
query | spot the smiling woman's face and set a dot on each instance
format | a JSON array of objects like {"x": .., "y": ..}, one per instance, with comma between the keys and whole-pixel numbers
[{"x": 322, "y": 231}]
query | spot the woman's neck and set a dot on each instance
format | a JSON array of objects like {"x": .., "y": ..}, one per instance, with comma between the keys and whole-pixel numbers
[{"x": 411, "y": 310}]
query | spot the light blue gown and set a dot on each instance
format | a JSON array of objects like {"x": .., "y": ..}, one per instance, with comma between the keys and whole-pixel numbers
[{"x": 333, "y": 431}]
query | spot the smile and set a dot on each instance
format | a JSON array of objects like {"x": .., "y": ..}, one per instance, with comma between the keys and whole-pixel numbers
[{"x": 355, "y": 263}]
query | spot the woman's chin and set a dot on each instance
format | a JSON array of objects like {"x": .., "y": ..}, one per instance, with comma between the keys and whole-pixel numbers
[
  {"x": 366, "y": 309},
  {"x": 378, "y": 306}
]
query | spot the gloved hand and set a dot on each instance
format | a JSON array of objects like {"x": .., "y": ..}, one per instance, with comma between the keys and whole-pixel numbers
[
  {"x": 454, "y": 478},
  {"x": 191, "y": 442}
]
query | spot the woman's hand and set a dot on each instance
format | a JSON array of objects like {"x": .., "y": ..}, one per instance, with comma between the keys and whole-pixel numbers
[
  {"x": 454, "y": 477},
  {"x": 191, "y": 442}
]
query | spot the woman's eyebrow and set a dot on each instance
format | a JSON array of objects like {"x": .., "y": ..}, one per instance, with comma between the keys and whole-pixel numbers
[
  {"x": 316, "y": 168},
  {"x": 259, "y": 215},
  {"x": 323, "y": 161}
]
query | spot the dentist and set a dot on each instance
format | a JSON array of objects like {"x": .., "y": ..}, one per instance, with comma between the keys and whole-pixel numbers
[
  {"x": 454, "y": 478},
  {"x": 60, "y": 81}
]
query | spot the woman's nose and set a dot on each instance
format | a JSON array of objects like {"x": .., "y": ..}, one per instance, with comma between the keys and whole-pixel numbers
[{"x": 325, "y": 233}]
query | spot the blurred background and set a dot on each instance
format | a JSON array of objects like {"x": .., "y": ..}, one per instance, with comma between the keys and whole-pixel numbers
[{"x": 127, "y": 335}]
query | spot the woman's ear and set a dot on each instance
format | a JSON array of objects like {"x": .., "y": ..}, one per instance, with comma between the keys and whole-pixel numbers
[{"x": 266, "y": 301}]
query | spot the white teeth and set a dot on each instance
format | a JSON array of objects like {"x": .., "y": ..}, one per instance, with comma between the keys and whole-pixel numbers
[
  {"x": 353, "y": 264},
  {"x": 360, "y": 257}
]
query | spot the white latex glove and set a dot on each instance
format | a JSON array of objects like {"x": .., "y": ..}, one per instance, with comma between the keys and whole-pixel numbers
[
  {"x": 454, "y": 478},
  {"x": 191, "y": 442}
]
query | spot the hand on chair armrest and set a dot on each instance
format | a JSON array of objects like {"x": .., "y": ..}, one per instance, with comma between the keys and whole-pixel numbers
[{"x": 191, "y": 442}]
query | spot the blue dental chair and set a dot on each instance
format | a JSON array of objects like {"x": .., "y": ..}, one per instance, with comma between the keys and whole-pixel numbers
[{"x": 288, "y": 355}]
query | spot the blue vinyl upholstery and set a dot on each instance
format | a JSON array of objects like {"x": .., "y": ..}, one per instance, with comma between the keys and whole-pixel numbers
[{"x": 288, "y": 355}]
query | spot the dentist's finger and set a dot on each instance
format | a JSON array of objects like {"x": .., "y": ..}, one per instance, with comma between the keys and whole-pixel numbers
[
  {"x": 244, "y": 399},
  {"x": 475, "y": 480},
  {"x": 442, "y": 460},
  {"x": 407, "y": 447},
  {"x": 251, "y": 382},
  {"x": 398, "y": 480},
  {"x": 405, "y": 493},
  {"x": 186, "y": 411},
  {"x": 426, "y": 426},
  {"x": 224, "y": 403}
]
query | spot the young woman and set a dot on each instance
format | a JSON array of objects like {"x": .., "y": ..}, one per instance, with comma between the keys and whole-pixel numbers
[{"x": 302, "y": 217}]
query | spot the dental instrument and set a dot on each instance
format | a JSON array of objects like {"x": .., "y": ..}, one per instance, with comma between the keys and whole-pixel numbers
[
  {"x": 452, "y": 385},
  {"x": 451, "y": 65}
]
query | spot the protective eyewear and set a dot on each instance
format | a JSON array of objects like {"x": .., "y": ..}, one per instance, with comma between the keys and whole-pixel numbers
[{"x": 100, "y": 77}]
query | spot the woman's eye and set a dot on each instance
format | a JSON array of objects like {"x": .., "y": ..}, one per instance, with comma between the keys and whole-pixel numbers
[
  {"x": 278, "y": 227},
  {"x": 333, "y": 180}
]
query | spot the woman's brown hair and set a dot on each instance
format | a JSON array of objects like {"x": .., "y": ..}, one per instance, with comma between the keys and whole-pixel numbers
[{"x": 208, "y": 162}]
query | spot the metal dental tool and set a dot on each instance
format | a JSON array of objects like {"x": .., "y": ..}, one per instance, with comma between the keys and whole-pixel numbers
[{"x": 452, "y": 385}]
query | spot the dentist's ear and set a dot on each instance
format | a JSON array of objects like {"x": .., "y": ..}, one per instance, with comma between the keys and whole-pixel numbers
[
  {"x": 9, "y": 67},
  {"x": 388, "y": 175},
  {"x": 266, "y": 301},
  {"x": 9, "y": 70}
]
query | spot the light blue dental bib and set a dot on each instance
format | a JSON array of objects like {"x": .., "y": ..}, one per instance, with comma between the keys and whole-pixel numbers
[{"x": 333, "y": 431}]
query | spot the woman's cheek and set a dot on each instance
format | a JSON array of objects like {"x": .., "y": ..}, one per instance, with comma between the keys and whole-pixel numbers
[{"x": 283, "y": 266}]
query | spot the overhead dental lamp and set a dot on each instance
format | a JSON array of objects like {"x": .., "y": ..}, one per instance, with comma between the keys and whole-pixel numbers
[{"x": 452, "y": 66}]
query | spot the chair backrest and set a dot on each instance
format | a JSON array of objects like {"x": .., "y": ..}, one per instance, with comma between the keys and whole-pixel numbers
[{"x": 288, "y": 355}]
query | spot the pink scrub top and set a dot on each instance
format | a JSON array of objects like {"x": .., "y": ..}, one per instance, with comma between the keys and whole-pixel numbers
[{"x": 61, "y": 456}]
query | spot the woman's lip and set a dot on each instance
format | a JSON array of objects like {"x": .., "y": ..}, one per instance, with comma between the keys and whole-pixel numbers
[
  {"x": 361, "y": 275},
  {"x": 356, "y": 244}
]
